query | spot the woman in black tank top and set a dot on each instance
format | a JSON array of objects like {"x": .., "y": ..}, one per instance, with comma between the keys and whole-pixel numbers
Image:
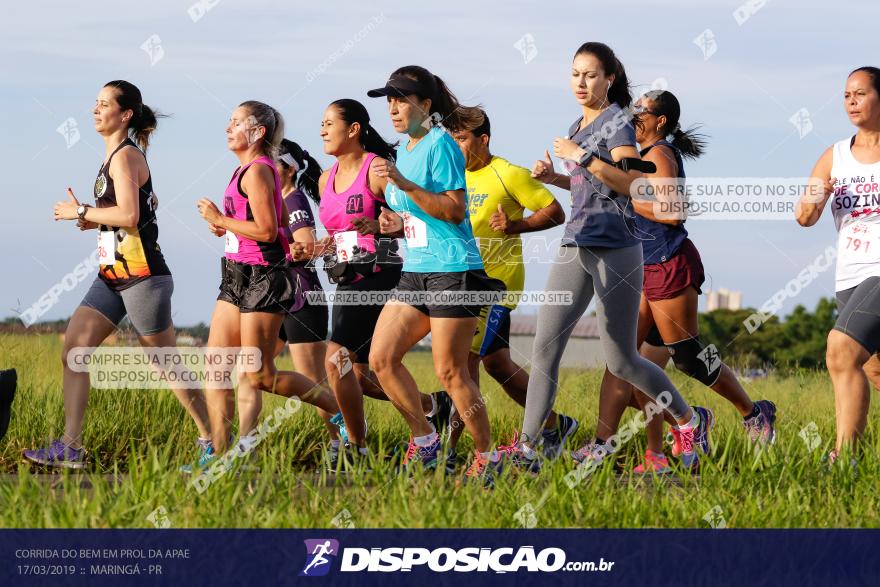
[{"x": 133, "y": 278}]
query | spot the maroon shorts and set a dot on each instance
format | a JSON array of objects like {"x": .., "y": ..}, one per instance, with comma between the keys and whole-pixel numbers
[{"x": 669, "y": 279}]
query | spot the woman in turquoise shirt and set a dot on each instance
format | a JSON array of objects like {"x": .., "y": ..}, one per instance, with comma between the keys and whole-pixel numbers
[{"x": 426, "y": 191}]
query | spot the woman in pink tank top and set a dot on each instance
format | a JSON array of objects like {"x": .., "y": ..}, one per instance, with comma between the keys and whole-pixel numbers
[
  {"x": 256, "y": 288},
  {"x": 351, "y": 201}
]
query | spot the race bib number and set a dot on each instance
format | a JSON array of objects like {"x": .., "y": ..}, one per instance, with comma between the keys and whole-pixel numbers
[
  {"x": 858, "y": 241},
  {"x": 106, "y": 247},
  {"x": 345, "y": 243},
  {"x": 415, "y": 231},
  {"x": 231, "y": 242}
]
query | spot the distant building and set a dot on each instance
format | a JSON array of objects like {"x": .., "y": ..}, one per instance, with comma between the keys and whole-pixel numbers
[
  {"x": 723, "y": 299},
  {"x": 582, "y": 351}
]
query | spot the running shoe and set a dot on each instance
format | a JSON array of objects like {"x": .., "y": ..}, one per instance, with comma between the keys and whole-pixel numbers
[
  {"x": 655, "y": 463},
  {"x": 485, "y": 470},
  {"x": 339, "y": 422},
  {"x": 760, "y": 427},
  {"x": 704, "y": 426},
  {"x": 553, "y": 441},
  {"x": 592, "y": 453},
  {"x": 332, "y": 457},
  {"x": 57, "y": 455},
  {"x": 707, "y": 422},
  {"x": 517, "y": 457},
  {"x": 206, "y": 455},
  {"x": 443, "y": 414},
  {"x": 676, "y": 441},
  {"x": 689, "y": 457},
  {"x": 8, "y": 383},
  {"x": 691, "y": 438},
  {"x": 420, "y": 456}
]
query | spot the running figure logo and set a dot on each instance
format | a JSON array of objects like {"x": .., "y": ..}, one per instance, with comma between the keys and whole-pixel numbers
[{"x": 317, "y": 552}]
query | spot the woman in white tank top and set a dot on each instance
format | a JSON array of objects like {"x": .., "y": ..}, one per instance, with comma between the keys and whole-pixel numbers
[{"x": 848, "y": 174}]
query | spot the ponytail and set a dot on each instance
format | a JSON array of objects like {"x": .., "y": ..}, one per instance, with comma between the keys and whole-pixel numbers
[
  {"x": 689, "y": 143},
  {"x": 351, "y": 111},
  {"x": 619, "y": 92},
  {"x": 269, "y": 118},
  {"x": 453, "y": 115},
  {"x": 445, "y": 107},
  {"x": 144, "y": 126},
  {"x": 144, "y": 120},
  {"x": 308, "y": 169}
]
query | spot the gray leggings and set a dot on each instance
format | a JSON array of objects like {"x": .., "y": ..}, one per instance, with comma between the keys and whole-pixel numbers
[{"x": 616, "y": 276}]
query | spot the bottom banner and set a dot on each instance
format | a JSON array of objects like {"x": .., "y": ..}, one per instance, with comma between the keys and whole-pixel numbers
[{"x": 392, "y": 557}]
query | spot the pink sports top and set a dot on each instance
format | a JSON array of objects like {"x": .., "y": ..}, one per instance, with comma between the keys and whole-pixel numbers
[
  {"x": 236, "y": 205},
  {"x": 337, "y": 210}
]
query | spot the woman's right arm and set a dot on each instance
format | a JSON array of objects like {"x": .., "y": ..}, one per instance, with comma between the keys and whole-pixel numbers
[{"x": 820, "y": 186}]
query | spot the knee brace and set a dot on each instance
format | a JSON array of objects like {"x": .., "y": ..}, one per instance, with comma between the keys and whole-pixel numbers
[{"x": 692, "y": 359}]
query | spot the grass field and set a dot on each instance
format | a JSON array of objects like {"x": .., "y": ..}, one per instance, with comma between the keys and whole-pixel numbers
[{"x": 137, "y": 440}]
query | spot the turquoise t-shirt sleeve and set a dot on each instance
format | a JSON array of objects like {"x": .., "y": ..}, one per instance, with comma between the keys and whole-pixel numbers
[{"x": 447, "y": 165}]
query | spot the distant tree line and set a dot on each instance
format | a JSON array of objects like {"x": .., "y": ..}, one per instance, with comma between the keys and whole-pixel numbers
[{"x": 797, "y": 341}]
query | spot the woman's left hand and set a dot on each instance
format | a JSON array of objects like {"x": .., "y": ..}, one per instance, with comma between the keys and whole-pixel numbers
[
  {"x": 567, "y": 149},
  {"x": 66, "y": 211},
  {"x": 209, "y": 211}
]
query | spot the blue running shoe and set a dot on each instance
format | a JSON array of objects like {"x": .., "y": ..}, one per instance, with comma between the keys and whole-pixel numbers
[
  {"x": 701, "y": 433},
  {"x": 206, "y": 455},
  {"x": 553, "y": 441},
  {"x": 339, "y": 422},
  {"x": 416, "y": 456},
  {"x": 57, "y": 456},
  {"x": 518, "y": 458}
]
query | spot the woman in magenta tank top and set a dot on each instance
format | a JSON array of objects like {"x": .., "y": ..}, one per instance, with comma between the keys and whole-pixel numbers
[
  {"x": 357, "y": 258},
  {"x": 256, "y": 288}
]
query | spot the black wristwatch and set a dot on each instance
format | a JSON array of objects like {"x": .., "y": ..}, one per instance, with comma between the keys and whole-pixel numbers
[
  {"x": 81, "y": 211},
  {"x": 583, "y": 161}
]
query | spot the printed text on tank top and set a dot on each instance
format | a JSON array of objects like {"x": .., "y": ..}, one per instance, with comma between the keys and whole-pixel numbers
[
  {"x": 338, "y": 209},
  {"x": 855, "y": 205},
  {"x": 128, "y": 254}
]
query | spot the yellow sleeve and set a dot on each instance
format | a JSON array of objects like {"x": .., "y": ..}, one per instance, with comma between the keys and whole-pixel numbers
[{"x": 529, "y": 192}]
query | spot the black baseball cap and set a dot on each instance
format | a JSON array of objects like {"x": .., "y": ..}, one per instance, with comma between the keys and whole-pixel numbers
[{"x": 399, "y": 85}]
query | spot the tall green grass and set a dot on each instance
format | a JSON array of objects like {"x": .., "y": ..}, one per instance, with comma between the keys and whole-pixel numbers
[{"x": 137, "y": 441}]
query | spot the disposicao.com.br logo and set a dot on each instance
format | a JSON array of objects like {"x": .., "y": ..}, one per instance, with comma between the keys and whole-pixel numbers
[
  {"x": 318, "y": 556},
  {"x": 442, "y": 560}
]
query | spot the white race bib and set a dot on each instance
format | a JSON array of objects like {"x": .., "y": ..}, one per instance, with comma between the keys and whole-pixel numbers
[
  {"x": 106, "y": 247},
  {"x": 858, "y": 243},
  {"x": 345, "y": 243},
  {"x": 415, "y": 230},
  {"x": 231, "y": 242}
]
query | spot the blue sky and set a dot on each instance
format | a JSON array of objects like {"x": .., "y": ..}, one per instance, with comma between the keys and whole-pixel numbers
[{"x": 55, "y": 57}]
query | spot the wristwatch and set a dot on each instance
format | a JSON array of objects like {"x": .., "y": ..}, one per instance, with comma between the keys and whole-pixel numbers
[
  {"x": 81, "y": 211},
  {"x": 583, "y": 161}
]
